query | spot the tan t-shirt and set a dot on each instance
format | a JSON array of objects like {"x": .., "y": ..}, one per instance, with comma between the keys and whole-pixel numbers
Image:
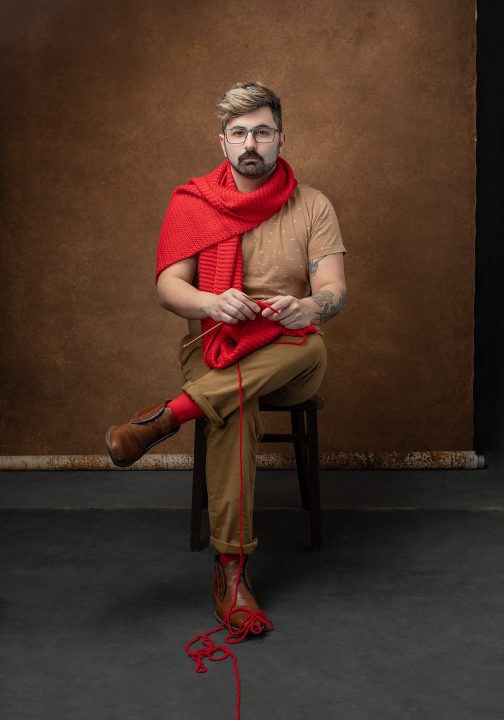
[{"x": 276, "y": 253}]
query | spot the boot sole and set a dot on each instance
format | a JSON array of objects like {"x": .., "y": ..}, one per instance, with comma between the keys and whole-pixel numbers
[
  {"x": 129, "y": 464},
  {"x": 233, "y": 627}
]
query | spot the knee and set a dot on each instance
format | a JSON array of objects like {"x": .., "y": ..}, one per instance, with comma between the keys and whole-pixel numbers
[{"x": 316, "y": 352}]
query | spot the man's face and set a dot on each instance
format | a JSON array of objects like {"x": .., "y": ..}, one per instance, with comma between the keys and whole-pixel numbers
[{"x": 253, "y": 159}]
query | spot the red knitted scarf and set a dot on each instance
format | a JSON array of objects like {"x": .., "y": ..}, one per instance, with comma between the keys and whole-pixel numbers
[{"x": 207, "y": 216}]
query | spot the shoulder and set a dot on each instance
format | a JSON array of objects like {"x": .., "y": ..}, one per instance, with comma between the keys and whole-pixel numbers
[
  {"x": 307, "y": 193},
  {"x": 312, "y": 198},
  {"x": 316, "y": 206}
]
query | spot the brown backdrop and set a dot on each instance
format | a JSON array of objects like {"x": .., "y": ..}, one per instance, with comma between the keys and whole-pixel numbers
[{"x": 110, "y": 105}]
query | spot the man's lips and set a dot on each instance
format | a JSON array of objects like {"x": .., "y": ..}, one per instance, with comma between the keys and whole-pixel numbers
[{"x": 250, "y": 157}]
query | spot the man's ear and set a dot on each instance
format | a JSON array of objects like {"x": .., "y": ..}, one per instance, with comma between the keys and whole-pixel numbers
[
  {"x": 282, "y": 142},
  {"x": 223, "y": 146}
]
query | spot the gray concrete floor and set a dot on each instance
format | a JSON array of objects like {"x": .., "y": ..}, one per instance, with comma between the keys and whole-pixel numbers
[
  {"x": 399, "y": 617},
  {"x": 112, "y": 490}
]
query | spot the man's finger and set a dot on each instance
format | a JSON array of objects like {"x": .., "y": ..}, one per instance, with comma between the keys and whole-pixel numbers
[
  {"x": 278, "y": 303},
  {"x": 242, "y": 307},
  {"x": 269, "y": 313},
  {"x": 286, "y": 315},
  {"x": 239, "y": 295},
  {"x": 251, "y": 304},
  {"x": 290, "y": 324},
  {"x": 235, "y": 312},
  {"x": 224, "y": 317},
  {"x": 273, "y": 300}
]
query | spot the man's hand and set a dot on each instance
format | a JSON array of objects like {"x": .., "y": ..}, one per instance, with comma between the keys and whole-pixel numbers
[
  {"x": 231, "y": 306},
  {"x": 291, "y": 312}
]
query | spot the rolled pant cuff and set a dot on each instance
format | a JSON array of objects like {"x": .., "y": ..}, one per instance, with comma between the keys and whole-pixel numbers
[
  {"x": 201, "y": 401},
  {"x": 233, "y": 548}
]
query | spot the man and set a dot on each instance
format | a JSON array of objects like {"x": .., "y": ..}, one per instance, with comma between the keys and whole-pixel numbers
[{"x": 244, "y": 232}]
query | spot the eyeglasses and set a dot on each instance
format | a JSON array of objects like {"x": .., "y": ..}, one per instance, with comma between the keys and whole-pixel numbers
[{"x": 262, "y": 134}]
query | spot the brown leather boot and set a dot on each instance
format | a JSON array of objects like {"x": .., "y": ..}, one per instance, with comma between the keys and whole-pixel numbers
[
  {"x": 128, "y": 442},
  {"x": 224, "y": 583}
]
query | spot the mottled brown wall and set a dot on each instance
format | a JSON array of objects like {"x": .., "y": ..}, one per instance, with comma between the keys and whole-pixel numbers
[{"x": 109, "y": 105}]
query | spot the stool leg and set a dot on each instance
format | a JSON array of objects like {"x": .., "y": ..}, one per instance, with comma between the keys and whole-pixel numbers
[
  {"x": 199, "y": 483},
  {"x": 301, "y": 454},
  {"x": 314, "y": 481}
]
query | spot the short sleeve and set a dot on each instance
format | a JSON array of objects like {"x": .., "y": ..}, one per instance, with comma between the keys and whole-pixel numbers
[{"x": 325, "y": 237}]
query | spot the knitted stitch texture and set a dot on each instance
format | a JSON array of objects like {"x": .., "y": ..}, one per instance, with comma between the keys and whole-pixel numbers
[
  {"x": 235, "y": 341},
  {"x": 208, "y": 215},
  {"x": 209, "y": 210}
]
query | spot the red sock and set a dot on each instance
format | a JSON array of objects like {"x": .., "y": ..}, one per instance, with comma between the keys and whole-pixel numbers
[
  {"x": 224, "y": 558},
  {"x": 184, "y": 408}
]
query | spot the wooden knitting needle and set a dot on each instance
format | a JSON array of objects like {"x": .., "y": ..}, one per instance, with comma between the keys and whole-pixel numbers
[
  {"x": 186, "y": 345},
  {"x": 202, "y": 335}
]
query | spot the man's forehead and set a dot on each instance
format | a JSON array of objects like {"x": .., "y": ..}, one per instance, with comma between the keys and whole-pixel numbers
[{"x": 262, "y": 115}]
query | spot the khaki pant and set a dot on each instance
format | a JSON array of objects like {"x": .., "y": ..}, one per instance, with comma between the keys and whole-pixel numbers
[{"x": 282, "y": 375}]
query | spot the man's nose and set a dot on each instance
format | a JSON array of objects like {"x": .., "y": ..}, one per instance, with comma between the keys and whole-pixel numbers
[{"x": 250, "y": 141}]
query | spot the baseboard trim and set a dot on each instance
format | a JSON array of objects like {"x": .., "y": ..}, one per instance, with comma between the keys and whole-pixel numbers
[{"x": 397, "y": 460}]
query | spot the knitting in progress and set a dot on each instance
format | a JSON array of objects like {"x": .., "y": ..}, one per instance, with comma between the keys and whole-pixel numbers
[{"x": 228, "y": 343}]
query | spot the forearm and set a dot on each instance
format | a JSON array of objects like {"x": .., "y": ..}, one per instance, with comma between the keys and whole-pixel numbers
[
  {"x": 327, "y": 302},
  {"x": 180, "y": 297},
  {"x": 183, "y": 299}
]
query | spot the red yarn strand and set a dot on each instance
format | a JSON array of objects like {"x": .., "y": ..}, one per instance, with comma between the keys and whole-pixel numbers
[{"x": 255, "y": 621}]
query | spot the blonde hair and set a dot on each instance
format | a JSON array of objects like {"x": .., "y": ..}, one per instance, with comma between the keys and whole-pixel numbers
[{"x": 245, "y": 97}]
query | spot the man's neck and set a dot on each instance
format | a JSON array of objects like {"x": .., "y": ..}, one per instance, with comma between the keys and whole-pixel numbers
[{"x": 249, "y": 184}]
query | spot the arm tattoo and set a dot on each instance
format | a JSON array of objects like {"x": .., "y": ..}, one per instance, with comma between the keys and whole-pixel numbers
[
  {"x": 329, "y": 308},
  {"x": 313, "y": 265}
]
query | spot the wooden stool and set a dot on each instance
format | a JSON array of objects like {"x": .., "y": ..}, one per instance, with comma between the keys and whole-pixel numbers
[{"x": 304, "y": 437}]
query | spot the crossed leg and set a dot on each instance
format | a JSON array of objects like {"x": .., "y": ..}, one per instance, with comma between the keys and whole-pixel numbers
[{"x": 282, "y": 374}]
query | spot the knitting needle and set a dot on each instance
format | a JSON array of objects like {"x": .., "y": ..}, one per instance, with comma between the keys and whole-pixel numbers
[
  {"x": 186, "y": 345},
  {"x": 212, "y": 328}
]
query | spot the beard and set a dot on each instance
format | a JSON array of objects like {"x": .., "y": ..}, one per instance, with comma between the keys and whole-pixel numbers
[{"x": 252, "y": 169}]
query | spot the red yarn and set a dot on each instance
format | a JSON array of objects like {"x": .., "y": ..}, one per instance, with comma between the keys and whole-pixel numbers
[
  {"x": 228, "y": 343},
  {"x": 254, "y": 623}
]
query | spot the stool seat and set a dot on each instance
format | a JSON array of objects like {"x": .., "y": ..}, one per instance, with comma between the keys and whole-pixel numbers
[
  {"x": 314, "y": 403},
  {"x": 304, "y": 437}
]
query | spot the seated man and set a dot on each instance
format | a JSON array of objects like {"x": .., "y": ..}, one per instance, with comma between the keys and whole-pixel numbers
[{"x": 258, "y": 259}]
